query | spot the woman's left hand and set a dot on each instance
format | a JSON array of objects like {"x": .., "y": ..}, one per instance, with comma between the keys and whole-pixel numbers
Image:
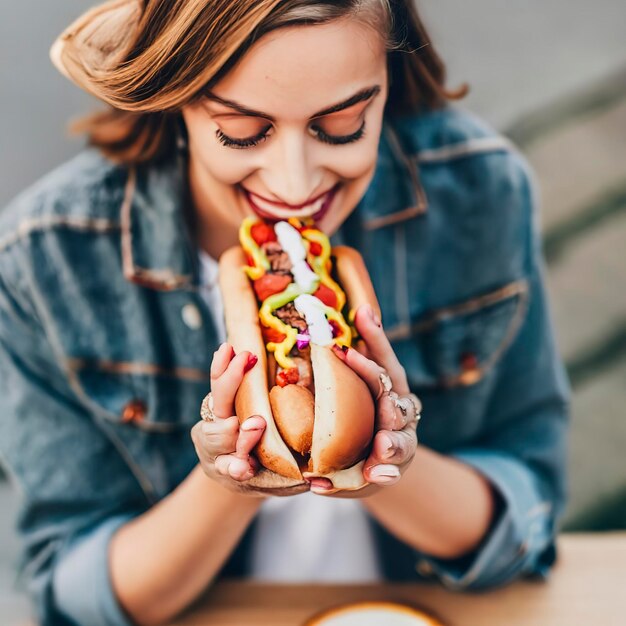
[{"x": 395, "y": 439}]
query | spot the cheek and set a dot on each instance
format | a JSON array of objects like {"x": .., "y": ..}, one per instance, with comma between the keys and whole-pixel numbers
[
  {"x": 223, "y": 168},
  {"x": 355, "y": 162}
]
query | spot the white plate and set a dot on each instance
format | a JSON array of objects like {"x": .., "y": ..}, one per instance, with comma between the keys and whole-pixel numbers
[{"x": 373, "y": 614}]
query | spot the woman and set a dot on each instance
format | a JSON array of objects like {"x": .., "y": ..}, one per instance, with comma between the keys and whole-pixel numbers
[{"x": 110, "y": 321}]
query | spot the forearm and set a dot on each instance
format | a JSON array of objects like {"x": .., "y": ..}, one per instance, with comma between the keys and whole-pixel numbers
[
  {"x": 161, "y": 561},
  {"x": 440, "y": 506}
]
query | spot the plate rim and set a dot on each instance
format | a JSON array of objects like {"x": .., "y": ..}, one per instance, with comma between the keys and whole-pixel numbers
[{"x": 399, "y": 607}]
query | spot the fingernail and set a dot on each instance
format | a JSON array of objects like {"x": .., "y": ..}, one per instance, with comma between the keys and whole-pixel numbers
[
  {"x": 375, "y": 318},
  {"x": 252, "y": 424},
  {"x": 252, "y": 361},
  {"x": 345, "y": 349},
  {"x": 340, "y": 351},
  {"x": 385, "y": 473}
]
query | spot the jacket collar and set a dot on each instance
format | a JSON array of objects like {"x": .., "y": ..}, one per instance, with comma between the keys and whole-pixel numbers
[
  {"x": 395, "y": 193},
  {"x": 158, "y": 249},
  {"x": 157, "y": 245}
]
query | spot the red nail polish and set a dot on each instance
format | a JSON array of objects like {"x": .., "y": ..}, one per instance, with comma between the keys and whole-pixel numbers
[
  {"x": 252, "y": 361},
  {"x": 345, "y": 349},
  {"x": 338, "y": 351}
]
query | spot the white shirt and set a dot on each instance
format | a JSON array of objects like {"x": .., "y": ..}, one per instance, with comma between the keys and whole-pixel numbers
[{"x": 303, "y": 538}]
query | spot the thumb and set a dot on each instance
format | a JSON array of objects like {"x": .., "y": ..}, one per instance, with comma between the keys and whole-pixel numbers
[{"x": 250, "y": 433}]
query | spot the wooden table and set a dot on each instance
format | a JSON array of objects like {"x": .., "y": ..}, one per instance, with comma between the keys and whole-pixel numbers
[{"x": 587, "y": 588}]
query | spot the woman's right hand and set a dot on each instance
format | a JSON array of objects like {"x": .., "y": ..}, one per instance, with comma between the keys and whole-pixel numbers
[{"x": 223, "y": 446}]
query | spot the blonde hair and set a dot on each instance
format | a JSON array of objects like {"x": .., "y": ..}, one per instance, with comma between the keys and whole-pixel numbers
[{"x": 148, "y": 58}]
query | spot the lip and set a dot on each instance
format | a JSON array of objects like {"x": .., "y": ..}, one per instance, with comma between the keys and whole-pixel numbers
[{"x": 285, "y": 211}]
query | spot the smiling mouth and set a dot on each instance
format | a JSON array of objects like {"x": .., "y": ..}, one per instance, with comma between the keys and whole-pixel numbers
[{"x": 269, "y": 211}]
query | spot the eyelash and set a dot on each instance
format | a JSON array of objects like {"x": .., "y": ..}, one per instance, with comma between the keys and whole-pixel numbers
[
  {"x": 335, "y": 140},
  {"x": 250, "y": 142}
]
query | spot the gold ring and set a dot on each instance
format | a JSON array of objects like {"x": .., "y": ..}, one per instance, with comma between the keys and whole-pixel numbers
[
  {"x": 409, "y": 402},
  {"x": 206, "y": 410},
  {"x": 385, "y": 384}
]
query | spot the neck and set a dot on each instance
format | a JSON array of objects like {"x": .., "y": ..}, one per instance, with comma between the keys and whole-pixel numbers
[{"x": 213, "y": 234}]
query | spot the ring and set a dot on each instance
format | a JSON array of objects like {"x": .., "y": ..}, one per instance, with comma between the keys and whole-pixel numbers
[
  {"x": 385, "y": 384},
  {"x": 409, "y": 402},
  {"x": 206, "y": 410}
]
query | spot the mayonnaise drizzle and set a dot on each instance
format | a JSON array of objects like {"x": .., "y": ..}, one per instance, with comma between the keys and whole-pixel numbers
[
  {"x": 291, "y": 242},
  {"x": 312, "y": 309}
]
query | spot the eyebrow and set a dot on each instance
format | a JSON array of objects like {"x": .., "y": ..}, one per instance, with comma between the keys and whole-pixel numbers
[{"x": 360, "y": 96}]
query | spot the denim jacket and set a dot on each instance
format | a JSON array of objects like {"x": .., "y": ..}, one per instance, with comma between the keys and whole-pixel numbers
[{"x": 106, "y": 343}]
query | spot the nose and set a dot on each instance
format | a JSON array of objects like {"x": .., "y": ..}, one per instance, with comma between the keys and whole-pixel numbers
[{"x": 290, "y": 174}]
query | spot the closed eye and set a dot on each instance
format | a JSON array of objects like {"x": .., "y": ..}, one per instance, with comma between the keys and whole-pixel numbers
[
  {"x": 338, "y": 140},
  {"x": 245, "y": 142}
]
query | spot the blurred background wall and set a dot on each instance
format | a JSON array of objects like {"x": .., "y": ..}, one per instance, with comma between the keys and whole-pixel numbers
[{"x": 552, "y": 76}]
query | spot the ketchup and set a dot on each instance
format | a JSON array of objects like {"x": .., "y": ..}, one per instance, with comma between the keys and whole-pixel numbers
[{"x": 287, "y": 377}]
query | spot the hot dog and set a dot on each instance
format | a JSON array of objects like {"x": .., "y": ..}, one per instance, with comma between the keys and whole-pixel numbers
[{"x": 283, "y": 302}]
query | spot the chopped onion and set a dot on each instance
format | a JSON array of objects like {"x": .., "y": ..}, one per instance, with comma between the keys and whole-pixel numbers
[{"x": 302, "y": 340}]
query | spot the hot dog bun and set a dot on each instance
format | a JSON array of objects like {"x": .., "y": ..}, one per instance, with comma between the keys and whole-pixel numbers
[
  {"x": 330, "y": 433},
  {"x": 244, "y": 333}
]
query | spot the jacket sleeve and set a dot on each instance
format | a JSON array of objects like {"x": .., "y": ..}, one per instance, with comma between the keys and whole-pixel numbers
[
  {"x": 524, "y": 451},
  {"x": 75, "y": 489}
]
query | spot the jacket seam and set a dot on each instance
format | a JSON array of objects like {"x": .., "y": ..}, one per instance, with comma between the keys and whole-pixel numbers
[
  {"x": 514, "y": 325},
  {"x": 98, "y": 414},
  {"x": 139, "y": 368},
  {"x": 394, "y": 218},
  {"x": 517, "y": 288},
  {"x": 404, "y": 331},
  {"x": 450, "y": 152},
  {"x": 159, "y": 280},
  {"x": 40, "y": 224},
  {"x": 420, "y": 201},
  {"x": 442, "y": 154}
]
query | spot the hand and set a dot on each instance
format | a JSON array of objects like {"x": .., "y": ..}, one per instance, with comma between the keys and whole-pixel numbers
[
  {"x": 395, "y": 439},
  {"x": 223, "y": 446}
]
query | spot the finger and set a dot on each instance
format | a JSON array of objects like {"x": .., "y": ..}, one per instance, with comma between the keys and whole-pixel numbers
[
  {"x": 321, "y": 485},
  {"x": 391, "y": 448},
  {"x": 236, "y": 468},
  {"x": 389, "y": 416},
  {"x": 379, "y": 349},
  {"x": 225, "y": 387},
  {"x": 361, "y": 347},
  {"x": 367, "y": 369},
  {"x": 233, "y": 467},
  {"x": 250, "y": 433},
  {"x": 221, "y": 358},
  {"x": 382, "y": 474},
  {"x": 215, "y": 438},
  {"x": 240, "y": 465}
]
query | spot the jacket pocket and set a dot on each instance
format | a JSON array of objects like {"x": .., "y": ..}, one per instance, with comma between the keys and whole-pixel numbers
[
  {"x": 457, "y": 345},
  {"x": 147, "y": 397}
]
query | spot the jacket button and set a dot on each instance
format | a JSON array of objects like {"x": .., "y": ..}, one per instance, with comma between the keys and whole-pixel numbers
[
  {"x": 424, "y": 568},
  {"x": 134, "y": 411},
  {"x": 191, "y": 316},
  {"x": 470, "y": 371}
]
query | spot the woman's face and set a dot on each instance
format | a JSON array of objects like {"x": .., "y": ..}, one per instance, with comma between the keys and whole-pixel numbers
[{"x": 292, "y": 130}]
